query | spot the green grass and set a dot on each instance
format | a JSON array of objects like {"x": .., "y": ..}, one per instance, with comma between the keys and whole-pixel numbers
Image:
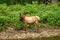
[
  {"x": 9, "y": 15},
  {"x": 44, "y": 38}
]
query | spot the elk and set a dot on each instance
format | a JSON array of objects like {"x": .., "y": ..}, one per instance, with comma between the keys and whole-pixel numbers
[{"x": 29, "y": 20}]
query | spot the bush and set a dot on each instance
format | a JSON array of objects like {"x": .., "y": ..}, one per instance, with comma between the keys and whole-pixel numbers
[
  {"x": 3, "y": 22},
  {"x": 9, "y": 15},
  {"x": 54, "y": 19}
]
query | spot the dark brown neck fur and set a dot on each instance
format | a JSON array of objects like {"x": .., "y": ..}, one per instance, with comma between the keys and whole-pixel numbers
[{"x": 22, "y": 16}]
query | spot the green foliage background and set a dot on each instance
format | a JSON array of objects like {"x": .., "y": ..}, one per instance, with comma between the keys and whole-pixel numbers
[{"x": 9, "y": 15}]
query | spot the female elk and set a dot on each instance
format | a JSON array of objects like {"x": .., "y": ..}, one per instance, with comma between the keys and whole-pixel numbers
[{"x": 29, "y": 19}]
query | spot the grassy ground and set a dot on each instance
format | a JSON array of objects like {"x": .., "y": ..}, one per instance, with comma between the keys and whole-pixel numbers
[{"x": 44, "y": 38}]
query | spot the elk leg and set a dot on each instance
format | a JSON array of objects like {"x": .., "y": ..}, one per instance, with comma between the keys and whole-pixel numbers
[
  {"x": 38, "y": 27},
  {"x": 36, "y": 22}
]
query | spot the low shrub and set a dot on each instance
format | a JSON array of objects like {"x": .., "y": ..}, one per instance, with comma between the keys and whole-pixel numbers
[{"x": 10, "y": 14}]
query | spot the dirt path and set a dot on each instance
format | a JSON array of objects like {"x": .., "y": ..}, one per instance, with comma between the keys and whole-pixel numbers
[{"x": 44, "y": 32}]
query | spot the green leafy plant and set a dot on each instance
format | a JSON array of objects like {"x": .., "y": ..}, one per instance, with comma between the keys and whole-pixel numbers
[{"x": 10, "y": 15}]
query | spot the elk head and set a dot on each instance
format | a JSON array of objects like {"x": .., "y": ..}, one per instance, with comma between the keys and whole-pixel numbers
[{"x": 22, "y": 16}]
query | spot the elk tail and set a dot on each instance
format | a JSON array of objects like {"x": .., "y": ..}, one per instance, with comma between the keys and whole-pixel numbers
[{"x": 38, "y": 17}]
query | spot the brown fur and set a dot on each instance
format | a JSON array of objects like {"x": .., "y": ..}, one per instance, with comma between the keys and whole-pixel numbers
[{"x": 29, "y": 19}]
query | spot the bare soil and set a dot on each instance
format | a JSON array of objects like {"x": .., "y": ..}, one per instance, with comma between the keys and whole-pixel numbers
[{"x": 11, "y": 33}]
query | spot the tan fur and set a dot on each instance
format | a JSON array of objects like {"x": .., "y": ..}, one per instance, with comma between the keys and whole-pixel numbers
[
  {"x": 30, "y": 19},
  {"x": 38, "y": 17}
]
